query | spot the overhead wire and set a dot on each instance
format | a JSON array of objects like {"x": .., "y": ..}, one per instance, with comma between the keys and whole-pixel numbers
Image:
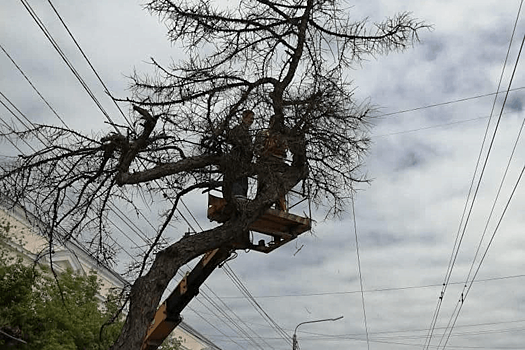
[
  {"x": 32, "y": 85},
  {"x": 464, "y": 294},
  {"x": 223, "y": 316},
  {"x": 231, "y": 323},
  {"x": 55, "y": 45},
  {"x": 274, "y": 325},
  {"x": 1, "y": 94},
  {"x": 238, "y": 319},
  {"x": 428, "y": 127},
  {"x": 399, "y": 334},
  {"x": 77, "y": 75},
  {"x": 29, "y": 127},
  {"x": 99, "y": 79},
  {"x": 46, "y": 32},
  {"x": 496, "y": 199},
  {"x": 459, "y": 239},
  {"x": 87, "y": 60},
  {"x": 116, "y": 209},
  {"x": 213, "y": 326},
  {"x": 415, "y": 109},
  {"x": 48, "y": 35},
  {"x": 427, "y": 107},
  {"x": 25, "y": 141},
  {"x": 47, "y": 103},
  {"x": 373, "y": 290},
  {"x": 246, "y": 293},
  {"x": 360, "y": 274}
]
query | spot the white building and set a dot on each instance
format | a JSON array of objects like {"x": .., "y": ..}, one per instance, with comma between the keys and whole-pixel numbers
[{"x": 29, "y": 243}]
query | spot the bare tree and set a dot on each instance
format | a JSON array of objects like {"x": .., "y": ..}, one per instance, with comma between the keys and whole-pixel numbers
[{"x": 288, "y": 61}]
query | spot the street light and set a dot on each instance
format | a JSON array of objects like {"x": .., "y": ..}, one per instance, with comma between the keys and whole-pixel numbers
[{"x": 295, "y": 344}]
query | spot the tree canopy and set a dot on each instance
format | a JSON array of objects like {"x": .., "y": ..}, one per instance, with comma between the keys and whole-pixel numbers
[
  {"x": 67, "y": 313},
  {"x": 39, "y": 312},
  {"x": 287, "y": 61}
]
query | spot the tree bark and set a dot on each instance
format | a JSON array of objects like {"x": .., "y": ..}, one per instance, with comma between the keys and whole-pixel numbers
[{"x": 148, "y": 289}]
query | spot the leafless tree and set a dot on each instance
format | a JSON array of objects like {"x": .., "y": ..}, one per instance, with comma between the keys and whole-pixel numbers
[{"x": 288, "y": 61}]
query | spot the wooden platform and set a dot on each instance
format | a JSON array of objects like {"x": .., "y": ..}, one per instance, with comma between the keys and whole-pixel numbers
[{"x": 280, "y": 225}]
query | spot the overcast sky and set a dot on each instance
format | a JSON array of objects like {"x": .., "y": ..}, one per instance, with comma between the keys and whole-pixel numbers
[{"x": 433, "y": 103}]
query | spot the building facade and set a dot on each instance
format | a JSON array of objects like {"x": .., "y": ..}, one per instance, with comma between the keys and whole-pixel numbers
[{"x": 26, "y": 241}]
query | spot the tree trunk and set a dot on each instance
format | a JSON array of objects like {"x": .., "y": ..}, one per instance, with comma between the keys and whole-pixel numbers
[{"x": 148, "y": 289}]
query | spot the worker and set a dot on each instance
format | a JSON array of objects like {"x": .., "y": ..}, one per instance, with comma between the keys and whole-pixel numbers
[
  {"x": 241, "y": 155},
  {"x": 270, "y": 148}
]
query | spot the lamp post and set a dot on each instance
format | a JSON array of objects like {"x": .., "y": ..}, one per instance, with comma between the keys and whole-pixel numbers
[{"x": 294, "y": 340}]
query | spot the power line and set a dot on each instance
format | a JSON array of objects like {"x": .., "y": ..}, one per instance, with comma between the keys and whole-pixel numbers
[
  {"x": 211, "y": 301},
  {"x": 88, "y": 61},
  {"x": 360, "y": 274},
  {"x": 116, "y": 226},
  {"x": 47, "y": 145},
  {"x": 33, "y": 86},
  {"x": 75, "y": 72},
  {"x": 446, "y": 103},
  {"x": 464, "y": 295},
  {"x": 457, "y": 243},
  {"x": 496, "y": 199},
  {"x": 116, "y": 209},
  {"x": 256, "y": 304},
  {"x": 246, "y": 293},
  {"x": 213, "y": 326},
  {"x": 429, "y": 127},
  {"x": 132, "y": 257},
  {"x": 391, "y": 289},
  {"x": 48, "y": 35},
  {"x": 26, "y": 142},
  {"x": 392, "y": 333}
]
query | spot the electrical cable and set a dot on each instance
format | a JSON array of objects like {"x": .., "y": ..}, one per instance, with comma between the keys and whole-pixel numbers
[
  {"x": 68, "y": 129},
  {"x": 122, "y": 216},
  {"x": 496, "y": 199},
  {"x": 224, "y": 314},
  {"x": 457, "y": 242},
  {"x": 398, "y": 334},
  {"x": 242, "y": 287},
  {"x": 236, "y": 316},
  {"x": 256, "y": 305},
  {"x": 27, "y": 143},
  {"x": 48, "y": 35},
  {"x": 428, "y": 127},
  {"x": 133, "y": 258},
  {"x": 233, "y": 322},
  {"x": 30, "y": 83},
  {"x": 87, "y": 60},
  {"x": 464, "y": 294},
  {"x": 446, "y": 103},
  {"x": 360, "y": 274},
  {"x": 212, "y": 325}
]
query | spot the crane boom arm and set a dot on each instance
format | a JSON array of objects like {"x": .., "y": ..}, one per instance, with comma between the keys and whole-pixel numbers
[{"x": 168, "y": 316}]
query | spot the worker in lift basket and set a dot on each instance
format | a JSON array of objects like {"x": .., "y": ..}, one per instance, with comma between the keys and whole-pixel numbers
[
  {"x": 241, "y": 153},
  {"x": 270, "y": 148}
]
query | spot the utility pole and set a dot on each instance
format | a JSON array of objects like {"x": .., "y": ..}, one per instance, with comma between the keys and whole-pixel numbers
[{"x": 295, "y": 343}]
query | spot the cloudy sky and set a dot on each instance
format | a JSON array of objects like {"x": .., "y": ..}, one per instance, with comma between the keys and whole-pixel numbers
[{"x": 433, "y": 106}]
